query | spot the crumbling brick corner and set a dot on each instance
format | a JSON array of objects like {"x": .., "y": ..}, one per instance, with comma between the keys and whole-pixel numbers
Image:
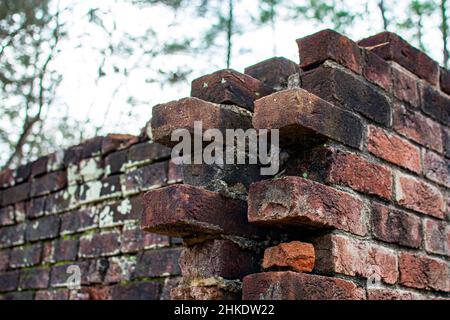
[{"x": 359, "y": 209}]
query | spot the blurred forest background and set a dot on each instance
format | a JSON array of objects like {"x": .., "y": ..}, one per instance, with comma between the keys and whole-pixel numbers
[{"x": 70, "y": 70}]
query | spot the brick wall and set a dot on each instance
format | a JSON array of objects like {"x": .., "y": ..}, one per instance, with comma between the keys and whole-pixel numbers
[{"x": 359, "y": 209}]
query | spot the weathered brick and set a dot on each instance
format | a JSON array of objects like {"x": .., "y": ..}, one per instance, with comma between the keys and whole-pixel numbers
[
  {"x": 23, "y": 173},
  {"x": 148, "y": 151},
  {"x": 58, "y": 294},
  {"x": 328, "y": 44},
  {"x": 20, "y": 212},
  {"x": 12, "y": 235},
  {"x": 115, "y": 161},
  {"x": 9, "y": 281},
  {"x": 6, "y": 178},
  {"x": 417, "y": 127},
  {"x": 120, "y": 269},
  {"x": 229, "y": 87},
  {"x": 181, "y": 114},
  {"x": 391, "y": 294},
  {"x": 437, "y": 236},
  {"x": 216, "y": 292},
  {"x": 445, "y": 80},
  {"x": 354, "y": 257},
  {"x": 134, "y": 239},
  {"x": 49, "y": 183},
  {"x": 79, "y": 220},
  {"x": 273, "y": 72},
  {"x": 119, "y": 212},
  {"x": 304, "y": 118},
  {"x": 55, "y": 161},
  {"x": 332, "y": 165},
  {"x": 7, "y": 216},
  {"x": 86, "y": 170},
  {"x": 26, "y": 256},
  {"x": 436, "y": 168},
  {"x": 346, "y": 90},
  {"x": 297, "y": 201},
  {"x": 91, "y": 147},
  {"x": 422, "y": 272},
  {"x": 99, "y": 244},
  {"x": 298, "y": 286},
  {"x": 43, "y": 228},
  {"x": 419, "y": 196},
  {"x": 114, "y": 142},
  {"x": 406, "y": 87},
  {"x": 182, "y": 210},
  {"x": 158, "y": 263},
  {"x": 35, "y": 208},
  {"x": 18, "y": 296},
  {"x": 396, "y": 226},
  {"x": 63, "y": 200},
  {"x": 72, "y": 155},
  {"x": 390, "y": 46},
  {"x": 435, "y": 104},
  {"x": 446, "y": 142},
  {"x": 39, "y": 167},
  {"x": 34, "y": 278},
  {"x": 16, "y": 194},
  {"x": 394, "y": 149},
  {"x": 136, "y": 291},
  {"x": 148, "y": 177},
  {"x": 295, "y": 255},
  {"x": 212, "y": 259},
  {"x": 4, "y": 259},
  {"x": 60, "y": 275},
  {"x": 169, "y": 284},
  {"x": 65, "y": 250},
  {"x": 378, "y": 71},
  {"x": 174, "y": 172}
]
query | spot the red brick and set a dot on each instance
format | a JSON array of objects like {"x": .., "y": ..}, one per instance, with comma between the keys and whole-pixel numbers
[
  {"x": 39, "y": 167},
  {"x": 295, "y": 255},
  {"x": 79, "y": 220},
  {"x": 91, "y": 147},
  {"x": 273, "y": 72},
  {"x": 354, "y": 257},
  {"x": 419, "y": 196},
  {"x": 42, "y": 228},
  {"x": 148, "y": 151},
  {"x": 60, "y": 276},
  {"x": 344, "y": 89},
  {"x": 437, "y": 236},
  {"x": 203, "y": 293},
  {"x": 298, "y": 286},
  {"x": 16, "y": 194},
  {"x": 35, "y": 208},
  {"x": 61, "y": 201},
  {"x": 9, "y": 281},
  {"x": 446, "y": 141},
  {"x": 136, "y": 291},
  {"x": 55, "y": 161},
  {"x": 134, "y": 239},
  {"x": 422, "y": 272},
  {"x": 436, "y": 168},
  {"x": 58, "y": 294},
  {"x": 182, "y": 210},
  {"x": 328, "y": 44},
  {"x": 212, "y": 259},
  {"x": 304, "y": 118},
  {"x": 99, "y": 244},
  {"x": 19, "y": 296},
  {"x": 26, "y": 256},
  {"x": 296, "y": 201},
  {"x": 335, "y": 166},
  {"x": 7, "y": 216},
  {"x": 174, "y": 172},
  {"x": 169, "y": 284},
  {"x": 150, "y": 176},
  {"x": 120, "y": 269},
  {"x": 390, "y": 46},
  {"x": 34, "y": 278},
  {"x": 12, "y": 235},
  {"x": 445, "y": 80},
  {"x": 396, "y": 226},
  {"x": 229, "y": 87},
  {"x": 378, "y": 71},
  {"x": 158, "y": 263},
  {"x": 181, "y": 114},
  {"x": 65, "y": 249},
  {"x": 417, "y": 127},
  {"x": 114, "y": 162},
  {"x": 393, "y": 149},
  {"x": 435, "y": 104},
  {"x": 23, "y": 173},
  {"x": 49, "y": 183},
  {"x": 406, "y": 87},
  {"x": 391, "y": 294},
  {"x": 114, "y": 142},
  {"x": 6, "y": 178}
]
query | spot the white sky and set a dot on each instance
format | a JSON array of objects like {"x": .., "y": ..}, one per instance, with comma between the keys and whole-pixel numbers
[{"x": 84, "y": 98}]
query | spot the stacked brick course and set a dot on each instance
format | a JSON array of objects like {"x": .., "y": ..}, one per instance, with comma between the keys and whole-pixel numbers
[{"x": 359, "y": 209}]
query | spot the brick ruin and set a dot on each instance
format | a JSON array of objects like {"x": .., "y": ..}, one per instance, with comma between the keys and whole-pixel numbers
[{"x": 359, "y": 210}]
